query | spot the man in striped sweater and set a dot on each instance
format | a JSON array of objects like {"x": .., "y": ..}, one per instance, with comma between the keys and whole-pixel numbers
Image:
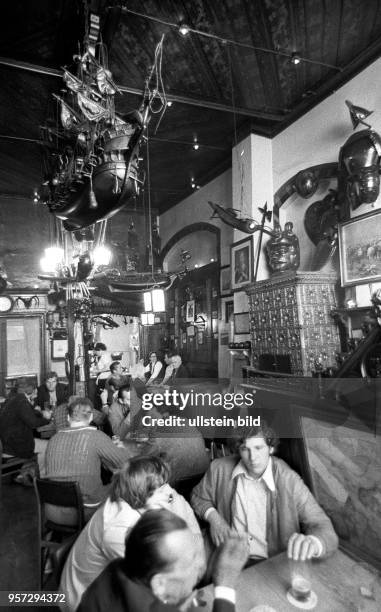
[{"x": 79, "y": 452}]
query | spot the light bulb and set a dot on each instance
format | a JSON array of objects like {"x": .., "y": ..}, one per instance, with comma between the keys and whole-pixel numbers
[
  {"x": 47, "y": 265},
  {"x": 184, "y": 29},
  {"x": 55, "y": 255},
  {"x": 295, "y": 59},
  {"x": 102, "y": 256}
]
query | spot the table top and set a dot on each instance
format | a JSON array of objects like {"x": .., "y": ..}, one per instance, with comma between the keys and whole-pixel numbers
[{"x": 340, "y": 583}]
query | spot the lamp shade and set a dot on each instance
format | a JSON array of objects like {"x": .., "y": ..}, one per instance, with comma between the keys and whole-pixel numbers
[
  {"x": 147, "y": 318},
  {"x": 147, "y": 301},
  {"x": 158, "y": 300}
]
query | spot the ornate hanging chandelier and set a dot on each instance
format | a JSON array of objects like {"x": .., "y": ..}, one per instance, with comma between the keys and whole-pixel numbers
[{"x": 91, "y": 162}]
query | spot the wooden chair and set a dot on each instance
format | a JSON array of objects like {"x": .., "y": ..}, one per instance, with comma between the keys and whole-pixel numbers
[{"x": 52, "y": 535}]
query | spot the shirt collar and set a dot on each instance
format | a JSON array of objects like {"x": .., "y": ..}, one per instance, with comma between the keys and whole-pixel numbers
[{"x": 267, "y": 475}]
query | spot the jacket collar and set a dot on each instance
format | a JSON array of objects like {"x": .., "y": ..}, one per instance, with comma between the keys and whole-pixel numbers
[{"x": 267, "y": 476}]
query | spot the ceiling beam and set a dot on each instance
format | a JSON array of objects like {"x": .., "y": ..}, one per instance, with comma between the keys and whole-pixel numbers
[{"x": 247, "y": 112}]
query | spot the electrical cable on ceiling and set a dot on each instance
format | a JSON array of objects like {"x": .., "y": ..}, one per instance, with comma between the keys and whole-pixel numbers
[{"x": 228, "y": 41}]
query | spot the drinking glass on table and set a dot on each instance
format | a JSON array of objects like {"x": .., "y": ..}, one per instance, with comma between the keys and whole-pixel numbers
[{"x": 300, "y": 580}]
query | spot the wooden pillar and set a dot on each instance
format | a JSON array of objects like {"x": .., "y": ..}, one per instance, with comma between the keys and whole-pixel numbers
[
  {"x": 209, "y": 329},
  {"x": 71, "y": 345}
]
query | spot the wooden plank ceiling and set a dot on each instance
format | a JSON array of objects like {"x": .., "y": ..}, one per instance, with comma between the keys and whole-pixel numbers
[{"x": 225, "y": 90}]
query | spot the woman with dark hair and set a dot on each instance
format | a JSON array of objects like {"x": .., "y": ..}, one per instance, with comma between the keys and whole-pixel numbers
[{"x": 141, "y": 484}]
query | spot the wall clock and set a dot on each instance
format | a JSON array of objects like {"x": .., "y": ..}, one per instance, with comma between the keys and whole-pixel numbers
[{"x": 6, "y": 303}]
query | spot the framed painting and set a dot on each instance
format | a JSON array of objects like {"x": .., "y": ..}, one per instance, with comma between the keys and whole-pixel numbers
[
  {"x": 189, "y": 316},
  {"x": 241, "y": 263},
  {"x": 360, "y": 249},
  {"x": 59, "y": 349},
  {"x": 227, "y": 308},
  {"x": 225, "y": 280},
  {"x": 241, "y": 323}
]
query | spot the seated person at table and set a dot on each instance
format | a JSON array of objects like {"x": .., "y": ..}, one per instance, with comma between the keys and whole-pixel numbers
[
  {"x": 161, "y": 566},
  {"x": 114, "y": 382},
  {"x": 154, "y": 369},
  {"x": 77, "y": 453},
  {"x": 168, "y": 367},
  {"x": 184, "y": 446},
  {"x": 259, "y": 495},
  {"x": 60, "y": 417},
  {"x": 141, "y": 484},
  {"x": 175, "y": 369},
  {"x": 51, "y": 393},
  {"x": 18, "y": 421},
  {"x": 119, "y": 413}
]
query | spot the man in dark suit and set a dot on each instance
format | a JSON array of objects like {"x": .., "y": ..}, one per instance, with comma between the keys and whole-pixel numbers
[
  {"x": 51, "y": 393},
  {"x": 18, "y": 421},
  {"x": 162, "y": 564}
]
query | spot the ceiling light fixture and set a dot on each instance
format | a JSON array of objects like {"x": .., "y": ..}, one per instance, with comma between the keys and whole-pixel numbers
[
  {"x": 147, "y": 318},
  {"x": 196, "y": 146},
  {"x": 184, "y": 29},
  {"x": 154, "y": 300},
  {"x": 295, "y": 59},
  {"x": 169, "y": 103}
]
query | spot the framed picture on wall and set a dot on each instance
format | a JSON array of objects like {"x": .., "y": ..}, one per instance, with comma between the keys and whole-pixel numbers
[
  {"x": 190, "y": 331},
  {"x": 241, "y": 323},
  {"x": 360, "y": 249},
  {"x": 225, "y": 280},
  {"x": 241, "y": 263},
  {"x": 200, "y": 337},
  {"x": 229, "y": 309},
  {"x": 59, "y": 349},
  {"x": 189, "y": 316}
]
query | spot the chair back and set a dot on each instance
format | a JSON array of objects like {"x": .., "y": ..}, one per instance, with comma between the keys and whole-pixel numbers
[
  {"x": 59, "y": 493},
  {"x": 64, "y": 495}
]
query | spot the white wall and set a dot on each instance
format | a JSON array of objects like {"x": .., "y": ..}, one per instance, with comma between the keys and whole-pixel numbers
[
  {"x": 316, "y": 138},
  {"x": 263, "y": 166},
  {"x": 195, "y": 209}
]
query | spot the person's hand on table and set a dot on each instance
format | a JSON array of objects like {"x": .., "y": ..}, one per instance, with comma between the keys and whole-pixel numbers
[
  {"x": 302, "y": 547},
  {"x": 231, "y": 558},
  {"x": 219, "y": 529}
]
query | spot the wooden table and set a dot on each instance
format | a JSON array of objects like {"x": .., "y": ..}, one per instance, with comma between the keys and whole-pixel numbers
[{"x": 336, "y": 581}]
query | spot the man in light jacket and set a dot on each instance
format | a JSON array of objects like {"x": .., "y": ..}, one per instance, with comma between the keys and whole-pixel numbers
[{"x": 260, "y": 495}]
